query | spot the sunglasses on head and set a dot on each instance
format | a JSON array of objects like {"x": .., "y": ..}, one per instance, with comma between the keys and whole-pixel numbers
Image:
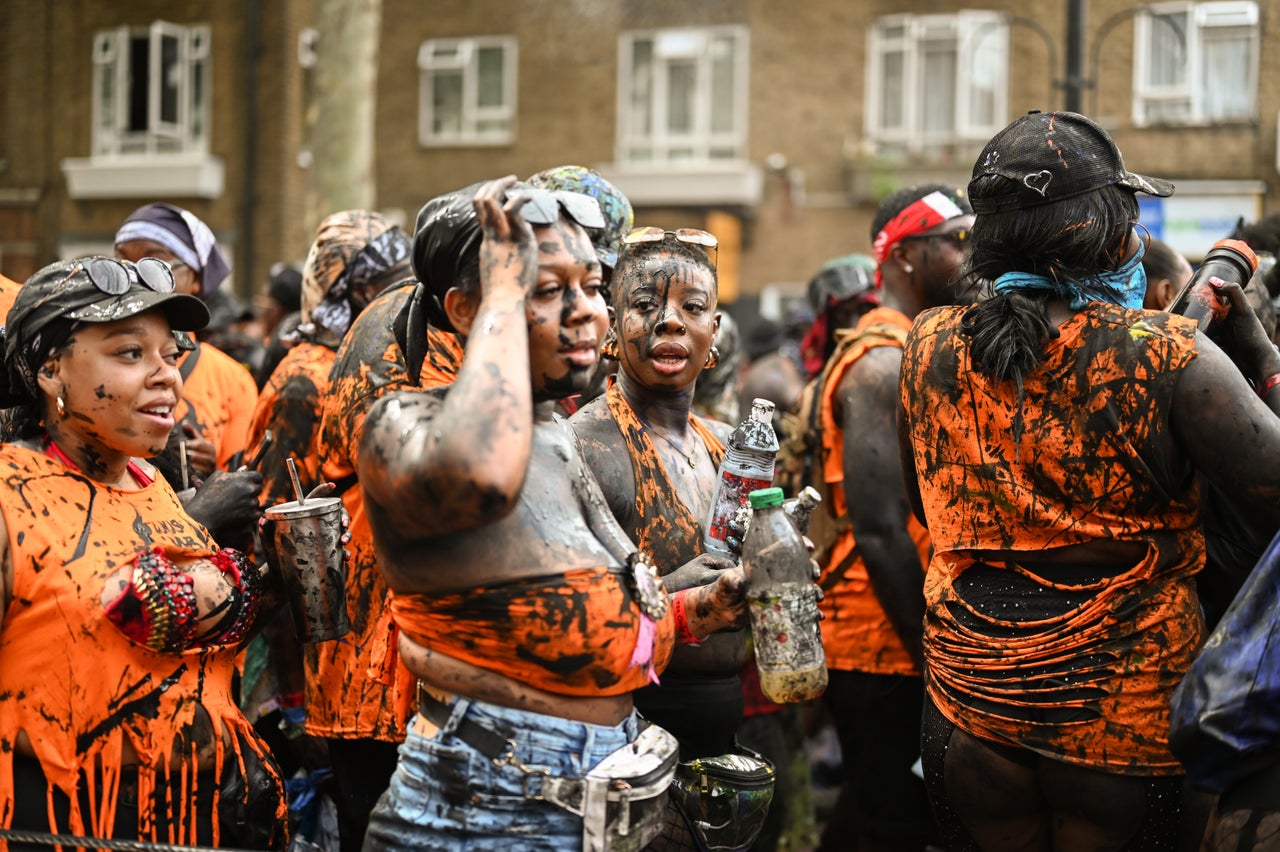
[
  {"x": 654, "y": 234},
  {"x": 544, "y": 206},
  {"x": 114, "y": 276},
  {"x": 957, "y": 238}
]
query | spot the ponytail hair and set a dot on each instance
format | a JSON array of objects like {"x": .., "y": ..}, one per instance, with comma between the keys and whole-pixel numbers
[{"x": 1073, "y": 239}]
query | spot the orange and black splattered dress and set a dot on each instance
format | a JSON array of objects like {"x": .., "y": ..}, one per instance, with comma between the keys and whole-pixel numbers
[
  {"x": 856, "y": 633},
  {"x": 289, "y": 406},
  {"x": 80, "y": 689},
  {"x": 355, "y": 687},
  {"x": 1076, "y": 662}
]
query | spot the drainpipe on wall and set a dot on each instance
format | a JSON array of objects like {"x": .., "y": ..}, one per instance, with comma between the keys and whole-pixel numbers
[
  {"x": 249, "y": 194},
  {"x": 1074, "y": 81}
]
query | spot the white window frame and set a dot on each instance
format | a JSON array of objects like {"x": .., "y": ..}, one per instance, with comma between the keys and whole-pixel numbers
[
  {"x": 1200, "y": 17},
  {"x": 466, "y": 61},
  {"x": 189, "y": 132},
  {"x": 979, "y": 36},
  {"x": 701, "y": 147}
]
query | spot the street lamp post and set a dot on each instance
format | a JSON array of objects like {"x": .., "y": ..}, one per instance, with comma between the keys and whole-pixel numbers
[{"x": 1074, "y": 82}]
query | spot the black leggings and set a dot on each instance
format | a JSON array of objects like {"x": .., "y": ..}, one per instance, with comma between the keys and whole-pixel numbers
[
  {"x": 362, "y": 771},
  {"x": 31, "y": 811},
  {"x": 1164, "y": 824}
]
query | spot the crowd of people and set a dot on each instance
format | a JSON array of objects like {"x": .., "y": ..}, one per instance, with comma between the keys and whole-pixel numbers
[{"x": 1040, "y": 488}]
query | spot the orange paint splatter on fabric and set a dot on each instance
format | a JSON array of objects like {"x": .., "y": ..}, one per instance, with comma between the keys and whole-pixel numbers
[{"x": 1076, "y": 662}]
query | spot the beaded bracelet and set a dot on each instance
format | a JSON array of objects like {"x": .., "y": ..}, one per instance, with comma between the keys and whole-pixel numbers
[
  {"x": 158, "y": 607},
  {"x": 242, "y": 604},
  {"x": 683, "y": 634},
  {"x": 1266, "y": 385}
]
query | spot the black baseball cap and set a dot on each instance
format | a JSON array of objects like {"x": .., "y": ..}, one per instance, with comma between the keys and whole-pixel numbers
[
  {"x": 1052, "y": 156},
  {"x": 92, "y": 289}
]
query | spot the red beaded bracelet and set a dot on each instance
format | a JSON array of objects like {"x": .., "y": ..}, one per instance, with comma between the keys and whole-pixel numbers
[
  {"x": 683, "y": 634},
  {"x": 1265, "y": 386}
]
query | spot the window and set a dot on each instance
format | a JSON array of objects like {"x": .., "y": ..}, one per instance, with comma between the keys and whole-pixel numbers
[
  {"x": 682, "y": 96},
  {"x": 151, "y": 90},
  {"x": 1196, "y": 63},
  {"x": 936, "y": 80},
  {"x": 467, "y": 91}
]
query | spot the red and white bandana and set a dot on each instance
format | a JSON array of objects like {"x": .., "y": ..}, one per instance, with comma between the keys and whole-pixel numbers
[{"x": 918, "y": 217}]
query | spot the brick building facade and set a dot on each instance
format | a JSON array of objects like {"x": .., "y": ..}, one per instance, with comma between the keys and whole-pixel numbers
[{"x": 778, "y": 126}]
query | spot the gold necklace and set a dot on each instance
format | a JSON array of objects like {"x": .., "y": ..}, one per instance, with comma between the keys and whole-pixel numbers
[{"x": 690, "y": 457}]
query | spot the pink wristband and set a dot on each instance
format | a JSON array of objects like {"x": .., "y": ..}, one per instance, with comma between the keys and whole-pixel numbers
[
  {"x": 1267, "y": 384},
  {"x": 683, "y": 634}
]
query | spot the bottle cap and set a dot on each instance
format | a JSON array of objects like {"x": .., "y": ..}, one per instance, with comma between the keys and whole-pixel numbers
[
  {"x": 765, "y": 497},
  {"x": 762, "y": 410},
  {"x": 1238, "y": 247}
]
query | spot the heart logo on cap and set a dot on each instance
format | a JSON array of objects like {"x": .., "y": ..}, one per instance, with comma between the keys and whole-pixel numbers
[{"x": 1038, "y": 181}]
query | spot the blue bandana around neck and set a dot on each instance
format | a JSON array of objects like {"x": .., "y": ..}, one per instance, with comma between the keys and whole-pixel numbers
[{"x": 1126, "y": 286}]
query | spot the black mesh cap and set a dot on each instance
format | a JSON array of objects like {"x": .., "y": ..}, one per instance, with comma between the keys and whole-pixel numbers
[{"x": 1054, "y": 155}]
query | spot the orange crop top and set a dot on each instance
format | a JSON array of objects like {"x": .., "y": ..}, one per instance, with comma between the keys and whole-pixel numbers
[{"x": 579, "y": 633}]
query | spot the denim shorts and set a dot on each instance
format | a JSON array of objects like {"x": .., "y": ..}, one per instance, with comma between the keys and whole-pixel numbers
[{"x": 446, "y": 795}]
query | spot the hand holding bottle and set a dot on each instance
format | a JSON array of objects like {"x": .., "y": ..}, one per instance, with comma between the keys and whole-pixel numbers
[
  {"x": 783, "y": 603},
  {"x": 1241, "y": 334}
]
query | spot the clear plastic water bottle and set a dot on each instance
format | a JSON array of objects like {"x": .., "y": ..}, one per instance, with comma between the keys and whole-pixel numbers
[
  {"x": 747, "y": 466},
  {"x": 783, "y": 603}
]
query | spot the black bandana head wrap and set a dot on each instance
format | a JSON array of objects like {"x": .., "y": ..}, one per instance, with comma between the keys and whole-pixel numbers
[{"x": 446, "y": 239}]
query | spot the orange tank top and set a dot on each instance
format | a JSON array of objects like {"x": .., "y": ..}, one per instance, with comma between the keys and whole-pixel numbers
[
  {"x": 856, "y": 633},
  {"x": 579, "y": 633},
  {"x": 76, "y": 685}
]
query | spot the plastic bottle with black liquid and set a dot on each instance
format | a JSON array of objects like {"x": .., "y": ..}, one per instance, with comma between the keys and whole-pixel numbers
[
  {"x": 748, "y": 465},
  {"x": 1230, "y": 260},
  {"x": 783, "y": 603}
]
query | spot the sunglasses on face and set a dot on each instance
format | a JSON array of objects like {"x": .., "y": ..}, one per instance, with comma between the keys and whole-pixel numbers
[
  {"x": 958, "y": 238},
  {"x": 653, "y": 234},
  {"x": 114, "y": 276},
  {"x": 544, "y": 206}
]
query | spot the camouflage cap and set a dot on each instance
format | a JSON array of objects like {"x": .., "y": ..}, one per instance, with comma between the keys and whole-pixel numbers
[{"x": 616, "y": 207}]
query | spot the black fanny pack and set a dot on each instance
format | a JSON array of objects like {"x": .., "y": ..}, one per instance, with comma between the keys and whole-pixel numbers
[{"x": 725, "y": 799}]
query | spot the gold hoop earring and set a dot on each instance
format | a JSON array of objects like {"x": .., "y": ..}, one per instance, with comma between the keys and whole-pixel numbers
[
  {"x": 609, "y": 350},
  {"x": 61, "y": 406},
  {"x": 713, "y": 359}
]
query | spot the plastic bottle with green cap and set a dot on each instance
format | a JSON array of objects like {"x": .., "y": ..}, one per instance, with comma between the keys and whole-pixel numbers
[{"x": 783, "y": 603}]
